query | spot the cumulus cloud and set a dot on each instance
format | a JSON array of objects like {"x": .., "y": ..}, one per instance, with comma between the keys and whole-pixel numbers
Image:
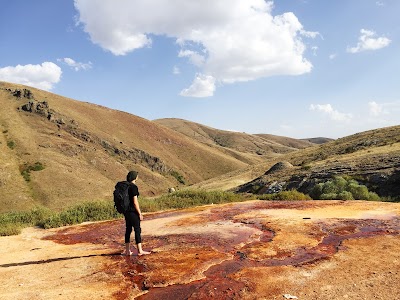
[
  {"x": 332, "y": 56},
  {"x": 375, "y": 109},
  {"x": 195, "y": 58},
  {"x": 333, "y": 114},
  {"x": 235, "y": 40},
  {"x": 369, "y": 41},
  {"x": 202, "y": 86},
  {"x": 380, "y": 109},
  {"x": 42, "y": 76},
  {"x": 77, "y": 66}
]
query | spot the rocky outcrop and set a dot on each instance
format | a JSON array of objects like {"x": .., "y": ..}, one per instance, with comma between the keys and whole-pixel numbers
[
  {"x": 137, "y": 156},
  {"x": 42, "y": 109},
  {"x": 381, "y": 174},
  {"x": 279, "y": 166}
]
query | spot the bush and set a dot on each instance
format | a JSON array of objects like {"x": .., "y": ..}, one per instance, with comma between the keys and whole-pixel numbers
[
  {"x": 26, "y": 169},
  {"x": 11, "y": 144},
  {"x": 286, "y": 195},
  {"x": 178, "y": 177},
  {"x": 84, "y": 212},
  {"x": 342, "y": 188},
  {"x": 188, "y": 198},
  {"x": 12, "y": 223}
]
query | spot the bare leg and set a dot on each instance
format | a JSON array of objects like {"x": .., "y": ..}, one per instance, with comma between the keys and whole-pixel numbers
[
  {"x": 127, "y": 251},
  {"x": 141, "y": 251}
]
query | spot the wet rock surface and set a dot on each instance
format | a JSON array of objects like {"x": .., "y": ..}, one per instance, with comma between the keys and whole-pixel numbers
[{"x": 249, "y": 250}]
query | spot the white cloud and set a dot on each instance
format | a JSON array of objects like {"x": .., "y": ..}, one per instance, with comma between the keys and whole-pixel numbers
[
  {"x": 176, "y": 70},
  {"x": 380, "y": 3},
  {"x": 332, "y": 56},
  {"x": 196, "y": 58},
  {"x": 77, "y": 66},
  {"x": 239, "y": 40},
  {"x": 375, "y": 109},
  {"x": 42, "y": 76},
  {"x": 380, "y": 109},
  {"x": 314, "y": 50},
  {"x": 202, "y": 86},
  {"x": 333, "y": 114},
  {"x": 369, "y": 41}
]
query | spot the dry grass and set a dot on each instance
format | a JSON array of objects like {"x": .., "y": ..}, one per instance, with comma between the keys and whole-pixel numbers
[
  {"x": 79, "y": 169},
  {"x": 79, "y": 166},
  {"x": 259, "y": 144}
]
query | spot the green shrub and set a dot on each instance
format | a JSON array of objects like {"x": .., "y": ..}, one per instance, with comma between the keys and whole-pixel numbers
[
  {"x": 84, "y": 212},
  {"x": 12, "y": 222},
  {"x": 306, "y": 167},
  {"x": 26, "y": 169},
  {"x": 329, "y": 196},
  {"x": 345, "y": 195},
  {"x": 285, "y": 195},
  {"x": 188, "y": 198},
  {"x": 391, "y": 199},
  {"x": 178, "y": 177},
  {"x": 342, "y": 188},
  {"x": 10, "y": 229},
  {"x": 11, "y": 144}
]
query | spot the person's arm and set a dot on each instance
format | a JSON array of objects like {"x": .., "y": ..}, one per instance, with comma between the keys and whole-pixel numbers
[{"x": 137, "y": 207}]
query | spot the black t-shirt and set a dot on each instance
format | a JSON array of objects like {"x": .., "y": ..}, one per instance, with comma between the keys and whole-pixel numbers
[{"x": 133, "y": 191}]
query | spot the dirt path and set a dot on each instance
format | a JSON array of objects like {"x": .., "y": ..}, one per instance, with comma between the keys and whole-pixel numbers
[{"x": 252, "y": 250}]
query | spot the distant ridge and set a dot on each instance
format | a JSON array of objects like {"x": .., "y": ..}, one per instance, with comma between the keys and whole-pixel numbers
[
  {"x": 318, "y": 140},
  {"x": 259, "y": 144}
]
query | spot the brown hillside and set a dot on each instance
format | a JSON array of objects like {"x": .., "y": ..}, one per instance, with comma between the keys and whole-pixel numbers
[
  {"x": 286, "y": 141},
  {"x": 372, "y": 157},
  {"x": 260, "y": 144},
  {"x": 85, "y": 148}
]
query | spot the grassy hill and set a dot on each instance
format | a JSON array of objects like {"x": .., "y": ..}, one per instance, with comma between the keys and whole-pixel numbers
[
  {"x": 371, "y": 157},
  {"x": 56, "y": 151},
  {"x": 256, "y": 144}
]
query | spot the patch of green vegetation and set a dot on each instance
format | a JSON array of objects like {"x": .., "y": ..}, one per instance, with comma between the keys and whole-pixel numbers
[
  {"x": 342, "y": 188},
  {"x": 305, "y": 167},
  {"x": 12, "y": 223},
  {"x": 11, "y": 144},
  {"x": 391, "y": 199},
  {"x": 83, "y": 212},
  {"x": 189, "y": 198},
  {"x": 26, "y": 169},
  {"x": 285, "y": 195},
  {"x": 178, "y": 177}
]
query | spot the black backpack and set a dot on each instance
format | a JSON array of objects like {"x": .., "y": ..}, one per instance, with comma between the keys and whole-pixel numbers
[{"x": 121, "y": 197}]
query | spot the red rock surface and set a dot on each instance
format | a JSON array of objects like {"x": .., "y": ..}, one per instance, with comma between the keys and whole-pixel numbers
[{"x": 250, "y": 250}]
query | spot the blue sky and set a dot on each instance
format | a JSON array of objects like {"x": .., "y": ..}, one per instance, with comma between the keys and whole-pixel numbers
[{"x": 297, "y": 68}]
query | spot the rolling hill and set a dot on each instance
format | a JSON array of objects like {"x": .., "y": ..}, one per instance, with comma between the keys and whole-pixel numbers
[
  {"x": 259, "y": 144},
  {"x": 371, "y": 157},
  {"x": 56, "y": 151}
]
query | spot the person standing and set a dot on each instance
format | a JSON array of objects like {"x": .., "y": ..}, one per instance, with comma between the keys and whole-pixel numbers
[{"x": 133, "y": 216}]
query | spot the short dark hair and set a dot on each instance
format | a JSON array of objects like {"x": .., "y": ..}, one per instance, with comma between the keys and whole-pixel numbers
[{"x": 132, "y": 175}]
